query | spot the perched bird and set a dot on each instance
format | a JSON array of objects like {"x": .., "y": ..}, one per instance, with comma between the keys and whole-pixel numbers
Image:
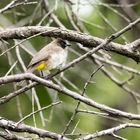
[{"x": 50, "y": 57}]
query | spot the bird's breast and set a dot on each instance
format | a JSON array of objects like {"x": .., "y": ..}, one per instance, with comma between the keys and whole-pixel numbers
[{"x": 57, "y": 59}]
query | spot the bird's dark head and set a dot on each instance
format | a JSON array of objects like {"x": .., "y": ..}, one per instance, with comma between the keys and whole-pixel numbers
[{"x": 62, "y": 43}]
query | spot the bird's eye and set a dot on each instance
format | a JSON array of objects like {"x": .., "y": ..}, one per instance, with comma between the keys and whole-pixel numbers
[{"x": 64, "y": 42}]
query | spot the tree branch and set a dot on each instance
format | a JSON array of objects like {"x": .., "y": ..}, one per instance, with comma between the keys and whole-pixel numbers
[
  {"x": 83, "y": 38},
  {"x": 10, "y": 136},
  {"x": 10, "y": 125},
  {"x": 70, "y": 93},
  {"x": 109, "y": 131}
]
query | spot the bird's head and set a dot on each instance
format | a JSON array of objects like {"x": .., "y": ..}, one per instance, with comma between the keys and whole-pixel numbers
[{"x": 63, "y": 43}]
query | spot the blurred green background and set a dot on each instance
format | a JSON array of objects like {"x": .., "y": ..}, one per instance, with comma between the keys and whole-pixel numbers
[{"x": 97, "y": 18}]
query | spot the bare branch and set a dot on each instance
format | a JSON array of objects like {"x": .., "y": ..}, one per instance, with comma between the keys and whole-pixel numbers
[
  {"x": 70, "y": 93},
  {"x": 86, "y": 40},
  {"x": 110, "y": 131},
  {"x": 15, "y": 3},
  {"x": 78, "y": 104},
  {"x": 10, "y": 125},
  {"x": 43, "y": 108},
  {"x": 10, "y": 136}
]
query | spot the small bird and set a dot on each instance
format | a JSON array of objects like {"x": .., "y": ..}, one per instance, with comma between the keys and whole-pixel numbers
[{"x": 52, "y": 56}]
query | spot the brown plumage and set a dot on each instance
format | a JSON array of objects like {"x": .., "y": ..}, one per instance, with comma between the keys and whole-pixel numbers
[{"x": 49, "y": 57}]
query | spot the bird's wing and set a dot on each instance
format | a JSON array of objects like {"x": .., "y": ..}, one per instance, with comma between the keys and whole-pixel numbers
[{"x": 43, "y": 54}]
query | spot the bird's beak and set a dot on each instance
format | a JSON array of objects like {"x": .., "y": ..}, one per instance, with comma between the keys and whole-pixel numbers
[{"x": 68, "y": 44}]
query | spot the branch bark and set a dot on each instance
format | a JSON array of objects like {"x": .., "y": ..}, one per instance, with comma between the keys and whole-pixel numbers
[
  {"x": 83, "y": 38},
  {"x": 10, "y": 136},
  {"x": 10, "y": 125},
  {"x": 109, "y": 131},
  {"x": 70, "y": 93}
]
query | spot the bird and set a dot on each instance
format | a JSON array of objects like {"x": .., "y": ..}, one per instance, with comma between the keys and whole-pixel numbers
[{"x": 51, "y": 56}]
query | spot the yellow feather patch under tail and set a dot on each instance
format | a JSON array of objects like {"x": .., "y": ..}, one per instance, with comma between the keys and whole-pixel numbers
[{"x": 40, "y": 66}]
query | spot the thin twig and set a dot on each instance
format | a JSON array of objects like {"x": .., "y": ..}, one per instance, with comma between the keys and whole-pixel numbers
[
  {"x": 109, "y": 131},
  {"x": 78, "y": 104},
  {"x": 43, "y": 108}
]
